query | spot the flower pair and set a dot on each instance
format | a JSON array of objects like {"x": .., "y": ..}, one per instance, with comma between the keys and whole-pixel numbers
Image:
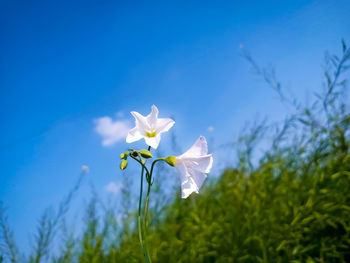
[{"x": 193, "y": 165}]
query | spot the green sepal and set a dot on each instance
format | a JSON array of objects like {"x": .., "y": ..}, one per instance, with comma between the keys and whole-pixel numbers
[
  {"x": 171, "y": 160},
  {"x": 145, "y": 154}
]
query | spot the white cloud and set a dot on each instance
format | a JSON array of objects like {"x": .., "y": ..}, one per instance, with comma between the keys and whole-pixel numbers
[
  {"x": 114, "y": 188},
  {"x": 210, "y": 129},
  {"x": 111, "y": 131}
]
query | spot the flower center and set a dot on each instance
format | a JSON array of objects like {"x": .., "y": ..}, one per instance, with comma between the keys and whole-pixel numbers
[{"x": 151, "y": 134}]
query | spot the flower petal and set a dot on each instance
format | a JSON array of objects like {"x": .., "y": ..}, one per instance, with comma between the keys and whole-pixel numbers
[
  {"x": 198, "y": 178},
  {"x": 141, "y": 122},
  {"x": 164, "y": 125},
  {"x": 152, "y": 117},
  {"x": 133, "y": 135},
  {"x": 187, "y": 185},
  {"x": 202, "y": 164},
  {"x": 153, "y": 141},
  {"x": 187, "y": 188},
  {"x": 199, "y": 148}
]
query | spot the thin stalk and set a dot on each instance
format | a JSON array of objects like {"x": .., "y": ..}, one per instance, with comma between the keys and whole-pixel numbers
[
  {"x": 145, "y": 224},
  {"x": 149, "y": 190},
  {"x": 139, "y": 219},
  {"x": 143, "y": 166},
  {"x": 146, "y": 203},
  {"x": 141, "y": 238}
]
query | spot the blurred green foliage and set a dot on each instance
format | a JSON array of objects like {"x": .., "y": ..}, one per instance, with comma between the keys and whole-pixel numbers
[{"x": 290, "y": 205}]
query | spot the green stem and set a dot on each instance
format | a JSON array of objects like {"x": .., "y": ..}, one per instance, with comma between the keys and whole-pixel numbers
[
  {"x": 145, "y": 228},
  {"x": 149, "y": 190},
  {"x": 139, "y": 218},
  {"x": 154, "y": 162},
  {"x": 141, "y": 238},
  {"x": 143, "y": 166},
  {"x": 146, "y": 204},
  {"x": 141, "y": 189},
  {"x": 145, "y": 224}
]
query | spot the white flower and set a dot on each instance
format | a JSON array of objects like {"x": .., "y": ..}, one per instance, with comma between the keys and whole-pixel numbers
[
  {"x": 193, "y": 166},
  {"x": 149, "y": 128}
]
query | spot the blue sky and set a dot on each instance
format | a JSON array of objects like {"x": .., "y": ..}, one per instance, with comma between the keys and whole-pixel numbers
[{"x": 65, "y": 64}]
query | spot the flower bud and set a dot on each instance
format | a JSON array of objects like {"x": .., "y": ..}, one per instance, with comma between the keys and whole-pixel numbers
[
  {"x": 123, "y": 164},
  {"x": 171, "y": 160},
  {"x": 124, "y": 155},
  {"x": 145, "y": 154},
  {"x": 134, "y": 154}
]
